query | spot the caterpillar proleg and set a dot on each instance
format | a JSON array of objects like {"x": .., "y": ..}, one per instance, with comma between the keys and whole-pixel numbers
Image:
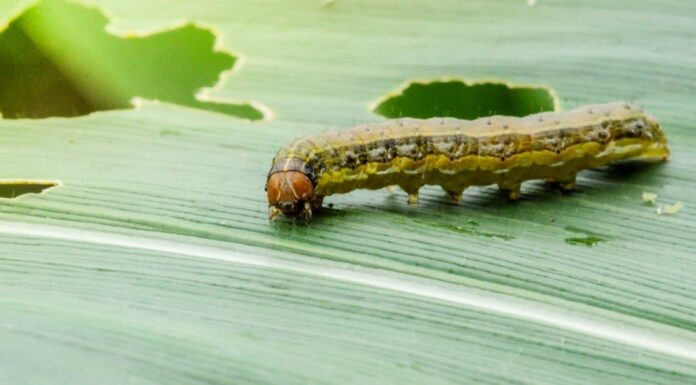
[{"x": 456, "y": 154}]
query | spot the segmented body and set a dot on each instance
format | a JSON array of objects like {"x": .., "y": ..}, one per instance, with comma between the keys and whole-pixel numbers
[{"x": 456, "y": 154}]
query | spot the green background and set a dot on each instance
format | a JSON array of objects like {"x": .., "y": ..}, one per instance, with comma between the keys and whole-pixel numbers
[{"x": 154, "y": 262}]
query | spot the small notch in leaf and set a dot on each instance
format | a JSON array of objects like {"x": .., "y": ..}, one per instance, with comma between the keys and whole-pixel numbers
[{"x": 11, "y": 189}]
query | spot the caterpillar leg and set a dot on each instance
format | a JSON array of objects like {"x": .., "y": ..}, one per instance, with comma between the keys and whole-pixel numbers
[
  {"x": 317, "y": 203},
  {"x": 307, "y": 212},
  {"x": 412, "y": 192},
  {"x": 455, "y": 195},
  {"x": 568, "y": 186},
  {"x": 511, "y": 191},
  {"x": 564, "y": 185},
  {"x": 413, "y": 199}
]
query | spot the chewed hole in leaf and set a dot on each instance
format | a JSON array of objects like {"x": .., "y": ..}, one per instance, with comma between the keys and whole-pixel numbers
[
  {"x": 16, "y": 188},
  {"x": 57, "y": 59},
  {"x": 459, "y": 99}
]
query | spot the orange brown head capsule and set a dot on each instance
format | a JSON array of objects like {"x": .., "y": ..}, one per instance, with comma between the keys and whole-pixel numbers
[
  {"x": 290, "y": 188},
  {"x": 289, "y": 192}
]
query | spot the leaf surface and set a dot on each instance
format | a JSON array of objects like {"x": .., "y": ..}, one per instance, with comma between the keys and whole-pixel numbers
[{"x": 154, "y": 262}]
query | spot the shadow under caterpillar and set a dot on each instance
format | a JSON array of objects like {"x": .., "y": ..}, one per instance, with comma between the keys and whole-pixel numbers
[{"x": 456, "y": 154}]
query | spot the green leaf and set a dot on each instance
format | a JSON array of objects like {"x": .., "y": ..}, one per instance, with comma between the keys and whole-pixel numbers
[
  {"x": 75, "y": 66},
  {"x": 153, "y": 260}
]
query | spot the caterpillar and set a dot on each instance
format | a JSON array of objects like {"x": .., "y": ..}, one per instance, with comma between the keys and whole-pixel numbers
[{"x": 456, "y": 154}]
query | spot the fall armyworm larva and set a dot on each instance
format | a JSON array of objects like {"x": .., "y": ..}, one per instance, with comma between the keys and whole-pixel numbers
[{"x": 456, "y": 154}]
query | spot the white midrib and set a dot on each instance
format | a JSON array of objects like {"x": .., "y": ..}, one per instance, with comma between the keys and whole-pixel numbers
[{"x": 681, "y": 343}]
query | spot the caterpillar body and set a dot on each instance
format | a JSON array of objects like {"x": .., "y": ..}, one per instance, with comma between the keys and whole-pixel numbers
[{"x": 456, "y": 154}]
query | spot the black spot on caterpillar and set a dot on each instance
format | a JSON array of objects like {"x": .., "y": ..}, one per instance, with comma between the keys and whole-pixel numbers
[{"x": 456, "y": 154}]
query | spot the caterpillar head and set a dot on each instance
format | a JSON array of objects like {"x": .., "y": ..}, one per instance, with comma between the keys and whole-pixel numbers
[{"x": 290, "y": 193}]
